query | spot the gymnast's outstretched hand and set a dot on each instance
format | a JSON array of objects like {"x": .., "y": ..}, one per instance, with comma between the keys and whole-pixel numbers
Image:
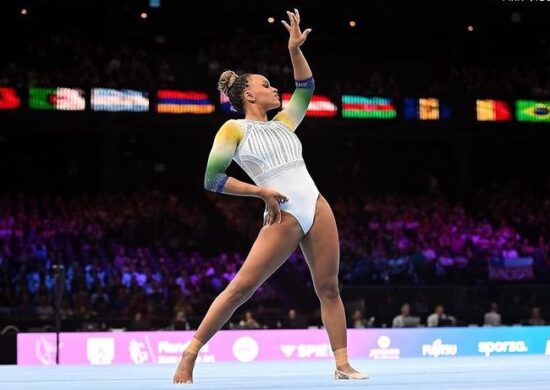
[{"x": 297, "y": 37}]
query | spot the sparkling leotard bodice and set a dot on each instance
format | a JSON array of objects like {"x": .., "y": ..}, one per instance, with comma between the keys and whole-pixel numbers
[{"x": 267, "y": 150}]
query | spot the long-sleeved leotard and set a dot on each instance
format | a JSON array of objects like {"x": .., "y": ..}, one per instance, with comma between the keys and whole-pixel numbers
[
  {"x": 271, "y": 154},
  {"x": 223, "y": 150}
]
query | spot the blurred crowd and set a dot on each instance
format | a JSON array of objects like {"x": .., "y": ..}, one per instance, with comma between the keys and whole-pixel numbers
[
  {"x": 73, "y": 60},
  {"x": 70, "y": 60},
  {"x": 159, "y": 256}
]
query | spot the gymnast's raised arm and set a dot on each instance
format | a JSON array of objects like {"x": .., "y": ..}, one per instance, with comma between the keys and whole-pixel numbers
[{"x": 293, "y": 114}]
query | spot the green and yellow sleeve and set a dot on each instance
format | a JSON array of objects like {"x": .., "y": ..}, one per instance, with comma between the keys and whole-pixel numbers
[
  {"x": 223, "y": 149},
  {"x": 296, "y": 109}
]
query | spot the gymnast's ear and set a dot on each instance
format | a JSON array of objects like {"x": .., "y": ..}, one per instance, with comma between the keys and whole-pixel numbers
[{"x": 249, "y": 97}]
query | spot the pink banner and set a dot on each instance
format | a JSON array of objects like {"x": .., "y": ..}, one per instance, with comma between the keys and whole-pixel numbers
[
  {"x": 167, "y": 347},
  {"x": 265, "y": 345},
  {"x": 36, "y": 348}
]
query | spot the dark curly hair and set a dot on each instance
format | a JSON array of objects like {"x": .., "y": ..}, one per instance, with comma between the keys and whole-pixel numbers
[{"x": 233, "y": 86}]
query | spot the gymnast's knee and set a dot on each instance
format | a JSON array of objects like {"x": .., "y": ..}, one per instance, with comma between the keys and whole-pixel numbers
[
  {"x": 239, "y": 292},
  {"x": 328, "y": 291}
]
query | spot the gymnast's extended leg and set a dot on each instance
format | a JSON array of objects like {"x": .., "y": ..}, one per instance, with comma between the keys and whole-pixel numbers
[
  {"x": 274, "y": 244},
  {"x": 321, "y": 249}
]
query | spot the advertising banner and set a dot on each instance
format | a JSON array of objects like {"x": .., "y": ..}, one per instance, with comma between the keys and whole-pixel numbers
[{"x": 267, "y": 345}]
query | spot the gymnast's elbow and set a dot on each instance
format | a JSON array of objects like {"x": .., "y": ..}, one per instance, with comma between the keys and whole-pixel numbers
[
  {"x": 216, "y": 183},
  {"x": 308, "y": 84}
]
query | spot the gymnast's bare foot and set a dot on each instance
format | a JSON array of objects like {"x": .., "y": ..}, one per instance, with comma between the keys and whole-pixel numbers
[{"x": 184, "y": 372}]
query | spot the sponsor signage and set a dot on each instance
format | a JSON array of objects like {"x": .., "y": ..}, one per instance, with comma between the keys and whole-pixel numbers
[{"x": 247, "y": 346}]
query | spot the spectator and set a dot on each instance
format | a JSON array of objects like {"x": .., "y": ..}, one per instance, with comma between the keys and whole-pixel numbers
[
  {"x": 405, "y": 319},
  {"x": 249, "y": 322},
  {"x": 492, "y": 318},
  {"x": 439, "y": 318},
  {"x": 535, "y": 318},
  {"x": 357, "y": 319},
  {"x": 180, "y": 322},
  {"x": 140, "y": 323},
  {"x": 295, "y": 320}
]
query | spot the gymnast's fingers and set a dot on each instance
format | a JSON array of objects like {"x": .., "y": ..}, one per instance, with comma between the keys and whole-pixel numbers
[
  {"x": 286, "y": 25},
  {"x": 290, "y": 16},
  {"x": 295, "y": 19},
  {"x": 297, "y": 15}
]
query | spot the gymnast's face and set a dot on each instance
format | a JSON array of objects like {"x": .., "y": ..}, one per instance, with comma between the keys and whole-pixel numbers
[{"x": 261, "y": 93}]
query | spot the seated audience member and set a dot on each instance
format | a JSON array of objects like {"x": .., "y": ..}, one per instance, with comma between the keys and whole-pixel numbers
[
  {"x": 535, "y": 318},
  {"x": 295, "y": 320},
  {"x": 492, "y": 318},
  {"x": 439, "y": 318},
  {"x": 140, "y": 323},
  {"x": 405, "y": 319},
  {"x": 180, "y": 322},
  {"x": 357, "y": 319},
  {"x": 249, "y": 322}
]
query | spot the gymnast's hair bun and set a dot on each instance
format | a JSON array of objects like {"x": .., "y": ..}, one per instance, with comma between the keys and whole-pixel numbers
[{"x": 226, "y": 81}]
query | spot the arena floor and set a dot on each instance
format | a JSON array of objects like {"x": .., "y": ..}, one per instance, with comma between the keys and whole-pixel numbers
[{"x": 525, "y": 372}]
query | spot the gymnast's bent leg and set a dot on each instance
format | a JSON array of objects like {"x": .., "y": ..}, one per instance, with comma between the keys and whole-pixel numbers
[
  {"x": 274, "y": 244},
  {"x": 321, "y": 248}
]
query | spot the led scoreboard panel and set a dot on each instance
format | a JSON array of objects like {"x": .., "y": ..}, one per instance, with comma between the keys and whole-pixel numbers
[{"x": 322, "y": 106}]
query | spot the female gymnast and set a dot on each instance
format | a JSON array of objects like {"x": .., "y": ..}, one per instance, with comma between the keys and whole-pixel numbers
[{"x": 271, "y": 154}]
